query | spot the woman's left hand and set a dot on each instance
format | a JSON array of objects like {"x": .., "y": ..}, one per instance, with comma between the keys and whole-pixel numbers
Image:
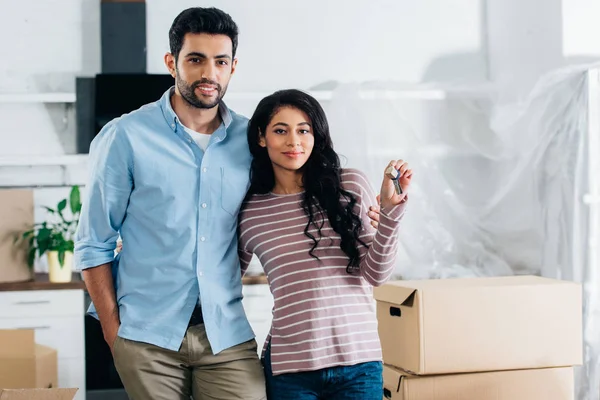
[{"x": 389, "y": 197}]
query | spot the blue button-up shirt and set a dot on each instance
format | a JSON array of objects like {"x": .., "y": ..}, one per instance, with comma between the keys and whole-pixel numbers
[{"x": 176, "y": 209}]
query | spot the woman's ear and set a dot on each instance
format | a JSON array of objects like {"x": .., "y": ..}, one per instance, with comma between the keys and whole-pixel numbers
[{"x": 261, "y": 139}]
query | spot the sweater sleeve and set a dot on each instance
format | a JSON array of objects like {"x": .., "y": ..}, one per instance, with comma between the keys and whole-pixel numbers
[
  {"x": 244, "y": 255},
  {"x": 377, "y": 263}
]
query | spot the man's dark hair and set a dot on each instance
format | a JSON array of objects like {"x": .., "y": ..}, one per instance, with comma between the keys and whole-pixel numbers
[{"x": 201, "y": 20}]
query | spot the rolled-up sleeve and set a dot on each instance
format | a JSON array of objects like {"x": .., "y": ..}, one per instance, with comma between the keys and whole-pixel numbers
[{"x": 108, "y": 190}]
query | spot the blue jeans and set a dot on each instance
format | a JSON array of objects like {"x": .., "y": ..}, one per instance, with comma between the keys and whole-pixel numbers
[{"x": 355, "y": 382}]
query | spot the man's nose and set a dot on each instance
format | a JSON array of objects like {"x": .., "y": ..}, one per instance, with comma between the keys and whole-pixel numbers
[{"x": 209, "y": 72}]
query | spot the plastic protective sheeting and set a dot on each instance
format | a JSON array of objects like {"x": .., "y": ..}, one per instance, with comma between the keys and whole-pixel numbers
[{"x": 503, "y": 184}]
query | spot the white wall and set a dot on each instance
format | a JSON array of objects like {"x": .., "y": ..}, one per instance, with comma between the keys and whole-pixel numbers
[
  {"x": 45, "y": 44},
  {"x": 304, "y": 43},
  {"x": 292, "y": 44},
  {"x": 282, "y": 44},
  {"x": 525, "y": 38},
  {"x": 581, "y": 28}
]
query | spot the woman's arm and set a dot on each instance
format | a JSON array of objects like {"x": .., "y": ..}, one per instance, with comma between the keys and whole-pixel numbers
[
  {"x": 245, "y": 258},
  {"x": 378, "y": 262},
  {"x": 244, "y": 255}
]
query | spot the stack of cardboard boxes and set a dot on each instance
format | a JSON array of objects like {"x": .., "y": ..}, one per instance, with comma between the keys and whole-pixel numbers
[
  {"x": 500, "y": 338},
  {"x": 28, "y": 371}
]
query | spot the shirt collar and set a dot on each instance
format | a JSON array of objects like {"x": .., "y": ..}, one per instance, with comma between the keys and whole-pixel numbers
[{"x": 173, "y": 120}]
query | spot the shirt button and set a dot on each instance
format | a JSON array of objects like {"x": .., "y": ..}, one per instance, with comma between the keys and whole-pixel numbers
[
  {"x": 204, "y": 169},
  {"x": 200, "y": 273},
  {"x": 172, "y": 125},
  {"x": 202, "y": 239},
  {"x": 203, "y": 205}
]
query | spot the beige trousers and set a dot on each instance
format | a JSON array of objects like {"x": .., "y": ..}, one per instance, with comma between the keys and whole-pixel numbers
[{"x": 149, "y": 372}]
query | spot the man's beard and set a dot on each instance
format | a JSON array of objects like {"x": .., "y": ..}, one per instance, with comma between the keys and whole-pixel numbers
[{"x": 188, "y": 92}]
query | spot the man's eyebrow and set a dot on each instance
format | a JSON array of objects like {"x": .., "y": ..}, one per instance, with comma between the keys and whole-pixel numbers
[
  {"x": 202, "y": 55},
  {"x": 196, "y": 54}
]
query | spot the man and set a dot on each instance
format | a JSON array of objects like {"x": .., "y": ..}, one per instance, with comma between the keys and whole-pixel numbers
[{"x": 170, "y": 178}]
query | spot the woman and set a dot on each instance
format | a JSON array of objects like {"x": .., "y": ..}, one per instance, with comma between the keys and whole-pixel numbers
[{"x": 306, "y": 220}]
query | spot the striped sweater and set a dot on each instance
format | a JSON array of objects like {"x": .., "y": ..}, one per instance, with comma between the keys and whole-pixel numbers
[{"x": 322, "y": 316}]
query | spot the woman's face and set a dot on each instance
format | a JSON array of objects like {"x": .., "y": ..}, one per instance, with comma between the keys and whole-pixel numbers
[{"x": 289, "y": 139}]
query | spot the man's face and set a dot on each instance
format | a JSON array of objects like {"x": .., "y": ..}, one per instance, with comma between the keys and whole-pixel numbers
[{"x": 203, "y": 68}]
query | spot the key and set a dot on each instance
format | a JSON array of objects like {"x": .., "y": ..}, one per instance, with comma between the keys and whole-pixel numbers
[{"x": 393, "y": 174}]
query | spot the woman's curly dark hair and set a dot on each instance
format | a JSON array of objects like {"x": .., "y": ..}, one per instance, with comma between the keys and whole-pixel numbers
[{"x": 323, "y": 193}]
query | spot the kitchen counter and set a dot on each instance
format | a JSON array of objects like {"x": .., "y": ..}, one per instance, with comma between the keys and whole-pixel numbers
[
  {"x": 255, "y": 280},
  {"x": 41, "y": 282}
]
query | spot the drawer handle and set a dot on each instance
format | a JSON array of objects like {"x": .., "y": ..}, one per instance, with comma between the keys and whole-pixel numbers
[
  {"x": 34, "y": 327},
  {"x": 21, "y": 303}
]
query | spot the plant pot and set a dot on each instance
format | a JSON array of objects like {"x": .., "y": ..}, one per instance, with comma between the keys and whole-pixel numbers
[{"x": 57, "y": 272}]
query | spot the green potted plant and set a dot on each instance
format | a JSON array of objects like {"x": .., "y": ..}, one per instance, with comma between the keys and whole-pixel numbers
[{"x": 54, "y": 237}]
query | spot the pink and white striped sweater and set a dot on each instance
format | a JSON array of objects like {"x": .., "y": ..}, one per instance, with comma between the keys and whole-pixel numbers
[{"x": 322, "y": 316}]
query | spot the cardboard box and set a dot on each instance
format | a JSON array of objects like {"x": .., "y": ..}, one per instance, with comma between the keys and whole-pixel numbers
[
  {"x": 25, "y": 364},
  {"x": 37, "y": 394},
  {"x": 531, "y": 384},
  {"x": 480, "y": 324},
  {"x": 16, "y": 215}
]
